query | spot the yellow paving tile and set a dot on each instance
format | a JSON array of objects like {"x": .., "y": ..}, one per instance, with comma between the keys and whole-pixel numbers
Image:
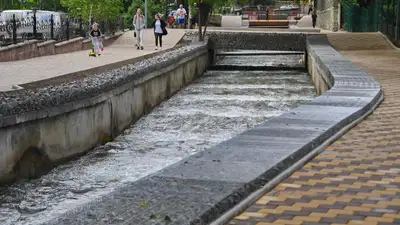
[{"x": 253, "y": 214}]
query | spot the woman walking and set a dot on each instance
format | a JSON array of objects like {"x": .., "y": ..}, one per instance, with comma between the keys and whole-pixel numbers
[
  {"x": 159, "y": 30},
  {"x": 139, "y": 24}
]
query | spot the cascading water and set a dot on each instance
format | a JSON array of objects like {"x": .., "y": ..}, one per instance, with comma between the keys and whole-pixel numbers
[{"x": 216, "y": 107}]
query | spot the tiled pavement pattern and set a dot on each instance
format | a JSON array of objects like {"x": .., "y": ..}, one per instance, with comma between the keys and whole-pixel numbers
[
  {"x": 356, "y": 180},
  {"x": 35, "y": 69}
]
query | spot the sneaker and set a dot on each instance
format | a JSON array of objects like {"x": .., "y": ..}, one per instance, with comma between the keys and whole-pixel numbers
[
  {"x": 137, "y": 48},
  {"x": 156, "y": 48},
  {"x": 141, "y": 48}
]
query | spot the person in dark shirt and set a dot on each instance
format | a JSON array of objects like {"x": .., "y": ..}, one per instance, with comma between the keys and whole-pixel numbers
[
  {"x": 159, "y": 29},
  {"x": 310, "y": 9},
  {"x": 95, "y": 34},
  {"x": 314, "y": 19}
]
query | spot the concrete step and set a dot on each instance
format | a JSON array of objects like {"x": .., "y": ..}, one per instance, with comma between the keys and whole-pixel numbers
[
  {"x": 252, "y": 53},
  {"x": 231, "y": 21}
]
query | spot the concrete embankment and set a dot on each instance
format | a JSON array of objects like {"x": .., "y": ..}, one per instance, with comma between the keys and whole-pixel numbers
[
  {"x": 41, "y": 127},
  {"x": 200, "y": 188},
  {"x": 203, "y": 186}
]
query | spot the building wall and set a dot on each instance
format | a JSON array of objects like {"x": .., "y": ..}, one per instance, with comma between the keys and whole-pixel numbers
[{"x": 327, "y": 14}]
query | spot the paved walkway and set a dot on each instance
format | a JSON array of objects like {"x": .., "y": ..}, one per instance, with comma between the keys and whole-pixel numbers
[
  {"x": 231, "y": 21},
  {"x": 25, "y": 71},
  {"x": 356, "y": 180}
]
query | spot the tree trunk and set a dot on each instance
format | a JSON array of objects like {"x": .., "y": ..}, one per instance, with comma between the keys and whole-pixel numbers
[
  {"x": 205, "y": 27},
  {"x": 200, "y": 17},
  {"x": 205, "y": 12}
]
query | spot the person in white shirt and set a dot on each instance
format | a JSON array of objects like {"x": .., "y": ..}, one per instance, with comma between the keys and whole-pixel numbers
[
  {"x": 159, "y": 30},
  {"x": 181, "y": 14}
]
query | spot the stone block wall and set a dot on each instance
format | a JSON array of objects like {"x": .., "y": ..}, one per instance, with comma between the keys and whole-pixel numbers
[{"x": 258, "y": 41}]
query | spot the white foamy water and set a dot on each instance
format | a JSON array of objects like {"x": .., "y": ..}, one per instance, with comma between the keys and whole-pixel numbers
[
  {"x": 216, "y": 107},
  {"x": 260, "y": 60}
]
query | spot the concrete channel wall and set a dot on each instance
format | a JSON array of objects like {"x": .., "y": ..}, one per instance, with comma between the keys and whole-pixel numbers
[
  {"x": 230, "y": 40},
  {"x": 203, "y": 186},
  {"x": 44, "y": 126}
]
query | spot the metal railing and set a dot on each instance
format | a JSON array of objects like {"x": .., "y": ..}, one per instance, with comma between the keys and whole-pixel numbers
[
  {"x": 59, "y": 28},
  {"x": 389, "y": 19},
  {"x": 263, "y": 15}
]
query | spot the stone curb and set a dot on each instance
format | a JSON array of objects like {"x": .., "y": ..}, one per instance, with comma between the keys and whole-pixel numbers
[
  {"x": 202, "y": 187},
  {"x": 88, "y": 72}
]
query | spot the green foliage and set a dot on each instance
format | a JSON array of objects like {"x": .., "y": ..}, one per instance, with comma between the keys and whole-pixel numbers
[
  {"x": 356, "y": 3},
  {"x": 153, "y": 7},
  {"x": 51, "y": 5},
  {"x": 102, "y": 9},
  {"x": 255, "y": 2}
]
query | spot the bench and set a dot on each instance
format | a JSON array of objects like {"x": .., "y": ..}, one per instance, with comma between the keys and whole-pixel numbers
[
  {"x": 269, "y": 23},
  {"x": 253, "y": 15},
  {"x": 277, "y": 17}
]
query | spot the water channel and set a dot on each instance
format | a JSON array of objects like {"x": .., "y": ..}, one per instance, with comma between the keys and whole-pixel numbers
[{"x": 216, "y": 107}]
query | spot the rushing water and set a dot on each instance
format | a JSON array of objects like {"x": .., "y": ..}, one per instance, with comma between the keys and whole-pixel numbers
[
  {"x": 216, "y": 107},
  {"x": 253, "y": 60}
]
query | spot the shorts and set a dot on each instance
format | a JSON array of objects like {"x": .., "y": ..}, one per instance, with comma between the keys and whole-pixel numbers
[{"x": 181, "y": 20}]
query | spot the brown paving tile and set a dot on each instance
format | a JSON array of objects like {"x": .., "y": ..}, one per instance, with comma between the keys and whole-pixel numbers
[{"x": 356, "y": 180}]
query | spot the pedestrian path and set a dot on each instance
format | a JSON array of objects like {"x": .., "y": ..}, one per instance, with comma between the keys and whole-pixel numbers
[
  {"x": 35, "y": 69},
  {"x": 356, "y": 180},
  {"x": 231, "y": 21}
]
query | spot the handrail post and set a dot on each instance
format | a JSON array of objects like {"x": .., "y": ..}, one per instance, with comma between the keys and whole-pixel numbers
[
  {"x": 397, "y": 31},
  {"x": 52, "y": 27},
  {"x": 14, "y": 30}
]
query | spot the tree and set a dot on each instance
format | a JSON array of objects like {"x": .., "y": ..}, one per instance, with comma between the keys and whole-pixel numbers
[
  {"x": 359, "y": 3},
  {"x": 206, "y": 9},
  {"x": 51, "y": 5},
  {"x": 102, "y": 9},
  {"x": 153, "y": 7},
  {"x": 210, "y": 6}
]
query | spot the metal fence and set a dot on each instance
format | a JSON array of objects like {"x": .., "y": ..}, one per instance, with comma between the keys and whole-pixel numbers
[
  {"x": 264, "y": 15},
  {"x": 56, "y": 27},
  {"x": 389, "y": 19},
  {"x": 382, "y": 15},
  {"x": 359, "y": 19}
]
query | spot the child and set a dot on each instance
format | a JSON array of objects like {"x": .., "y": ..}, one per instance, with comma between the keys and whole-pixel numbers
[
  {"x": 171, "y": 21},
  {"x": 95, "y": 34}
]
